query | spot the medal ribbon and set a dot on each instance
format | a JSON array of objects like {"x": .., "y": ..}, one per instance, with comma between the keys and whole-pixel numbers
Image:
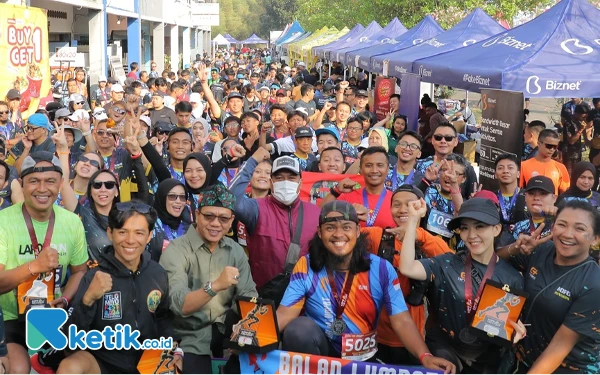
[
  {"x": 506, "y": 210},
  {"x": 472, "y": 304},
  {"x": 343, "y": 299},
  {"x": 33, "y": 237},
  {"x": 371, "y": 217},
  {"x": 407, "y": 180}
]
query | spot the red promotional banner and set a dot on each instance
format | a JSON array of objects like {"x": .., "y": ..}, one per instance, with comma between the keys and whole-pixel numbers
[
  {"x": 316, "y": 186},
  {"x": 384, "y": 89}
]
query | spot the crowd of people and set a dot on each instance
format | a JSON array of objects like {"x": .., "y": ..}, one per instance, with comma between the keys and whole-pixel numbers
[{"x": 156, "y": 202}]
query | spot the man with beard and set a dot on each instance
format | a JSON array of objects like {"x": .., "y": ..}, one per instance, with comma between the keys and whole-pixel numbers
[
  {"x": 272, "y": 222},
  {"x": 360, "y": 283},
  {"x": 36, "y": 139}
]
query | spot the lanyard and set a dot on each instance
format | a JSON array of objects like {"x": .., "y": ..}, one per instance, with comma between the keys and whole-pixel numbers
[
  {"x": 169, "y": 234},
  {"x": 371, "y": 217},
  {"x": 32, "y": 236},
  {"x": 229, "y": 175},
  {"x": 343, "y": 299},
  {"x": 407, "y": 180},
  {"x": 472, "y": 305},
  {"x": 506, "y": 210}
]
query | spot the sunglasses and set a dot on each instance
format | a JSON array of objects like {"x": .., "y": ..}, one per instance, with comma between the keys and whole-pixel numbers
[
  {"x": 93, "y": 163},
  {"x": 103, "y": 133},
  {"x": 175, "y": 197},
  {"x": 163, "y": 132},
  {"x": 109, "y": 185},
  {"x": 412, "y": 146},
  {"x": 142, "y": 208},
  {"x": 550, "y": 146},
  {"x": 211, "y": 217},
  {"x": 448, "y": 138},
  {"x": 4, "y": 112},
  {"x": 64, "y": 118},
  {"x": 80, "y": 103},
  {"x": 119, "y": 111}
]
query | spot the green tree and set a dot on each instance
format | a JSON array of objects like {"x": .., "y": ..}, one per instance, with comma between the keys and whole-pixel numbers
[{"x": 240, "y": 18}]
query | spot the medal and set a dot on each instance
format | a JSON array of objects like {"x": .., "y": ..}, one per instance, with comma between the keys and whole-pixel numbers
[
  {"x": 466, "y": 337},
  {"x": 338, "y": 327}
]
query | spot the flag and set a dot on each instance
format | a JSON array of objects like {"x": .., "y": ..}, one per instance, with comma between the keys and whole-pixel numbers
[{"x": 316, "y": 186}]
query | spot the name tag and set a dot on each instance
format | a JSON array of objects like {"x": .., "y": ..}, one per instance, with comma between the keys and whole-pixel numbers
[
  {"x": 438, "y": 223},
  {"x": 359, "y": 347}
]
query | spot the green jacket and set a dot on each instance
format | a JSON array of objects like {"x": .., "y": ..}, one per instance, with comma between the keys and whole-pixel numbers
[{"x": 189, "y": 265}]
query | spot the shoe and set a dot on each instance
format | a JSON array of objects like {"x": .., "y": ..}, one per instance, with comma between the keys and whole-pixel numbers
[{"x": 38, "y": 367}]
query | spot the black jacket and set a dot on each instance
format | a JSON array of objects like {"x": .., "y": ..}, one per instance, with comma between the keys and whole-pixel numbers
[{"x": 140, "y": 299}]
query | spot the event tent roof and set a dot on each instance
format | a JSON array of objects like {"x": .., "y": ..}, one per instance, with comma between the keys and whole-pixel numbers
[
  {"x": 348, "y": 54},
  {"x": 231, "y": 39},
  {"x": 220, "y": 40},
  {"x": 370, "y": 58},
  {"x": 475, "y": 27},
  {"x": 369, "y": 31},
  {"x": 553, "y": 55},
  {"x": 254, "y": 39},
  {"x": 356, "y": 30},
  {"x": 292, "y": 29}
]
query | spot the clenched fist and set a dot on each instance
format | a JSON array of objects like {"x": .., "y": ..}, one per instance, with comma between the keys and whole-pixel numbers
[
  {"x": 229, "y": 276},
  {"x": 101, "y": 283},
  {"x": 46, "y": 261}
]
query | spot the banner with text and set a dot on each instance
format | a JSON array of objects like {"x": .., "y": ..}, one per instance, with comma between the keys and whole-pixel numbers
[
  {"x": 410, "y": 86},
  {"x": 501, "y": 131},
  {"x": 384, "y": 89},
  {"x": 280, "y": 362},
  {"x": 24, "y": 45},
  {"x": 316, "y": 186}
]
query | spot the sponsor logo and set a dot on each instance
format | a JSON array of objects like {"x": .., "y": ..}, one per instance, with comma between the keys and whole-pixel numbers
[
  {"x": 417, "y": 41},
  {"x": 574, "y": 47},
  {"x": 363, "y": 39},
  {"x": 434, "y": 43},
  {"x": 399, "y": 69},
  {"x": 533, "y": 273},
  {"x": 469, "y": 41},
  {"x": 508, "y": 41},
  {"x": 563, "y": 293},
  {"x": 479, "y": 80},
  {"x": 424, "y": 72},
  {"x": 532, "y": 85},
  {"x": 389, "y": 41},
  {"x": 376, "y": 64}
]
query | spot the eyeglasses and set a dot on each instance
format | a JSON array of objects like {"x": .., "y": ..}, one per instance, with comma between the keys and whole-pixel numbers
[
  {"x": 93, "y": 163},
  {"x": 29, "y": 128},
  {"x": 80, "y": 103},
  {"x": 211, "y": 217},
  {"x": 64, "y": 118},
  {"x": 445, "y": 170},
  {"x": 232, "y": 125},
  {"x": 109, "y": 185},
  {"x": 103, "y": 133},
  {"x": 4, "y": 112},
  {"x": 412, "y": 146},
  {"x": 174, "y": 197},
  {"x": 550, "y": 146},
  {"x": 142, "y": 208},
  {"x": 448, "y": 138},
  {"x": 119, "y": 111},
  {"x": 354, "y": 129}
]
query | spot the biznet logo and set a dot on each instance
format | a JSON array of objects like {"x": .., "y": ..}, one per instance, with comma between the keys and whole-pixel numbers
[
  {"x": 532, "y": 85},
  {"x": 574, "y": 47},
  {"x": 479, "y": 80},
  {"x": 434, "y": 43},
  {"x": 399, "y": 69},
  {"x": 508, "y": 41},
  {"x": 376, "y": 64},
  {"x": 424, "y": 72},
  {"x": 389, "y": 41}
]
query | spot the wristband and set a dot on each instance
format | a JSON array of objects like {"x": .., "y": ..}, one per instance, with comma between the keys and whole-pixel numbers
[
  {"x": 423, "y": 356},
  {"x": 230, "y": 152},
  {"x": 133, "y": 157},
  {"x": 335, "y": 191},
  {"x": 85, "y": 134},
  {"x": 140, "y": 137},
  {"x": 178, "y": 351},
  {"x": 63, "y": 152},
  {"x": 66, "y": 300},
  {"x": 29, "y": 268}
]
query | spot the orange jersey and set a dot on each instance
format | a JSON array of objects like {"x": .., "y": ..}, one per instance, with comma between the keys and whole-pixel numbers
[{"x": 552, "y": 169}]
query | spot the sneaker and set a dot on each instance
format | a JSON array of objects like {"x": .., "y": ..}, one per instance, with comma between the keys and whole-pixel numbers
[{"x": 38, "y": 367}]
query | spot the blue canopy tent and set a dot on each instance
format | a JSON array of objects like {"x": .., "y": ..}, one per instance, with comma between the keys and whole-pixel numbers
[
  {"x": 369, "y": 31},
  {"x": 348, "y": 55},
  {"x": 319, "y": 51},
  {"x": 553, "y": 55},
  {"x": 294, "y": 28},
  {"x": 254, "y": 39},
  {"x": 475, "y": 27},
  {"x": 231, "y": 39},
  {"x": 370, "y": 58}
]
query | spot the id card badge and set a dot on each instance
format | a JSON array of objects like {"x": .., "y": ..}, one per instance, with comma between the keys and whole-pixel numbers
[
  {"x": 36, "y": 292},
  {"x": 359, "y": 347},
  {"x": 438, "y": 223}
]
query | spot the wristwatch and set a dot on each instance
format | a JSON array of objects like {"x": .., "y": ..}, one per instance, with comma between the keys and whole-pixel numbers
[{"x": 208, "y": 289}]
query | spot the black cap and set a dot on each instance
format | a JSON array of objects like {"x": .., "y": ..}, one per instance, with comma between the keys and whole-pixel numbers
[
  {"x": 362, "y": 93},
  {"x": 111, "y": 80},
  {"x": 249, "y": 114},
  {"x": 163, "y": 126},
  {"x": 328, "y": 87},
  {"x": 479, "y": 209},
  {"x": 303, "y": 132},
  {"x": 13, "y": 94},
  {"x": 541, "y": 183},
  {"x": 158, "y": 93},
  {"x": 409, "y": 189},
  {"x": 346, "y": 209},
  {"x": 235, "y": 94}
]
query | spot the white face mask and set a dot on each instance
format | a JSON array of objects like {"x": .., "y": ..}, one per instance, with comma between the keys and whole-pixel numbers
[{"x": 285, "y": 191}]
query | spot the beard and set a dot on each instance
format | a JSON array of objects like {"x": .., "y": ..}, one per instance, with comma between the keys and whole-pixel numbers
[{"x": 335, "y": 262}]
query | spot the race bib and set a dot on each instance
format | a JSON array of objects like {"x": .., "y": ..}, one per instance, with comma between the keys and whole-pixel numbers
[
  {"x": 359, "y": 347},
  {"x": 438, "y": 223},
  {"x": 242, "y": 235},
  {"x": 36, "y": 292}
]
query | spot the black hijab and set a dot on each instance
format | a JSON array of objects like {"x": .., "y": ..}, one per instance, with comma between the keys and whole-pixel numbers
[
  {"x": 160, "y": 204},
  {"x": 578, "y": 170},
  {"x": 205, "y": 162}
]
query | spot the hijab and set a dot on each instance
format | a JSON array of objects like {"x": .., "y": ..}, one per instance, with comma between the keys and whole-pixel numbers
[
  {"x": 383, "y": 135},
  {"x": 578, "y": 170},
  {"x": 160, "y": 205},
  {"x": 205, "y": 162}
]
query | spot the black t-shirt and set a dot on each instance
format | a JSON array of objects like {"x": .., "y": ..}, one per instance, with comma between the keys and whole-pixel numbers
[
  {"x": 95, "y": 233},
  {"x": 165, "y": 115},
  {"x": 250, "y": 152},
  {"x": 446, "y": 294},
  {"x": 310, "y": 107},
  {"x": 572, "y": 301}
]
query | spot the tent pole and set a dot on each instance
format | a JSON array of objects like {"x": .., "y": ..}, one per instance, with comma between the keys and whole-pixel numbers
[
  {"x": 467, "y": 102},
  {"x": 370, "y": 79}
]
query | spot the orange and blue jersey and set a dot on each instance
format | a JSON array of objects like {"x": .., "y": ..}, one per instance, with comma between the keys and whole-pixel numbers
[{"x": 370, "y": 292}]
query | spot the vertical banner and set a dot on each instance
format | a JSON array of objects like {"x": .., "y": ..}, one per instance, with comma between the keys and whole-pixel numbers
[
  {"x": 24, "y": 47},
  {"x": 410, "y": 86},
  {"x": 501, "y": 131},
  {"x": 384, "y": 89}
]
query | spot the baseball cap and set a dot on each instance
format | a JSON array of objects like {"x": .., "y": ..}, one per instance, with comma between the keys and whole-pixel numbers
[
  {"x": 39, "y": 120},
  {"x": 486, "y": 194},
  {"x": 303, "y": 132},
  {"x": 249, "y": 114},
  {"x": 77, "y": 135},
  {"x": 541, "y": 183},
  {"x": 195, "y": 97},
  {"x": 146, "y": 120},
  {"x": 163, "y": 126},
  {"x": 158, "y": 93},
  {"x": 362, "y": 93},
  {"x": 76, "y": 98},
  {"x": 329, "y": 130},
  {"x": 13, "y": 94},
  {"x": 235, "y": 94},
  {"x": 117, "y": 88},
  {"x": 328, "y": 87},
  {"x": 240, "y": 76},
  {"x": 264, "y": 87},
  {"x": 302, "y": 64},
  {"x": 280, "y": 92},
  {"x": 63, "y": 112},
  {"x": 28, "y": 166},
  {"x": 409, "y": 189},
  {"x": 287, "y": 163},
  {"x": 364, "y": 144},
  {"x": 275, "y": 86},
  {"x": 102, "y": 79},
  {"x": 111, "y": 80},
  {"x": 75, "y": 116},
  {"x": 480, "y": 209},
  {"x": 346, "y": 209}
]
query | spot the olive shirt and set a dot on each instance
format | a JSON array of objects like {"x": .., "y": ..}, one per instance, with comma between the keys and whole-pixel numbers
[{"x": 190, "y": 264}]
